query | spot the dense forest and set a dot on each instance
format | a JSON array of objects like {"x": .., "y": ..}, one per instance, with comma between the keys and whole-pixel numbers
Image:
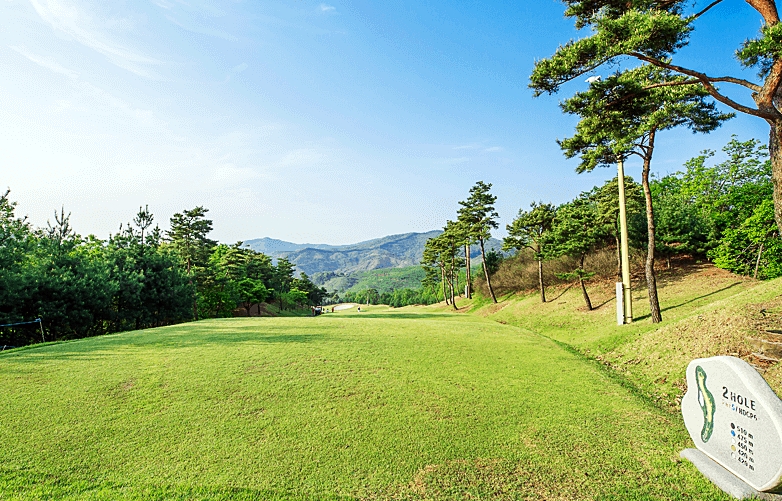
[{"x": 140, "y": 277}]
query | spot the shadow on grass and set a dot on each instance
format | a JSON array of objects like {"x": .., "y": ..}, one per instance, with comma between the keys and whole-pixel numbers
[
  {"x": 604, "y": 303},
  {"x": 561, "y": 293},
  {"x": 734, "y": 284},
  {"x": 32, "y": 485},
  {"x": 674, "y": 306},
  {"x": 119, "y": 346},
  {"x": 408, "y": 316}
]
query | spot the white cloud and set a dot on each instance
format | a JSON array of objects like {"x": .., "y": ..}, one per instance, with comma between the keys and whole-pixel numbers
[
  {"x": 46, "y": 62},
  {"x": 68, "y": 19},
  {"x": 471, "y": 146},
  {"x": 453, "y": 161},
  {"x": 143, "y": 116},
  {"x": 327, "y": 8},
  {"x": 493, "y": 149}
]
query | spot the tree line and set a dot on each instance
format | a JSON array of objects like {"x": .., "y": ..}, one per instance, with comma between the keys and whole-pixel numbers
[
  {"x": 139, "y": 277},
  {"x": 721, "y": 211}
]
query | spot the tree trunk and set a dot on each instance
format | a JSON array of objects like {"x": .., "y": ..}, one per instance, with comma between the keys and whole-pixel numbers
[
  {"x": 454, "y": 278},
  {"x": 757, "y": 263},
  {"x": 540, "y": 277},
  {"x": 195, "y": 301},
  {"x": 775, "y": 152},
  {"x": 540, "y": 281},
  {"x": 651, "y": 280},
  {"x": 467, "y": 270},
  {"x": 486, "y": 271},
  {"x": 442, "y": 277},
  {"x": 618, "y": 258},
  {"x": 583, "y": 285},
  {"x": 453, "y": 291}
]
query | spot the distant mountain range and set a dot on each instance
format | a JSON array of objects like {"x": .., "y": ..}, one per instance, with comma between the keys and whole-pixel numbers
[{"x": 394, "y": 251}]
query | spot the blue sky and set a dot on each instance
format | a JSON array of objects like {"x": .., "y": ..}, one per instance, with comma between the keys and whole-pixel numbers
[{"x": 306, "y": 121}]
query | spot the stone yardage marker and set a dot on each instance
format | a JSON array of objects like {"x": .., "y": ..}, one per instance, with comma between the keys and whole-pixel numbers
[{"x": 735, "y": 420}]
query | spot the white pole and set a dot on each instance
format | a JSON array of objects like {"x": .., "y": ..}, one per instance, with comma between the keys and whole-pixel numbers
[{"x": 625, "y": 247}]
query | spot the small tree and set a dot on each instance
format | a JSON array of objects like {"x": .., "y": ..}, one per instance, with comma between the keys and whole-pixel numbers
[
  {"x": 480, "y": 218},
  {"x": 528, "y": 231},
  {"x": 576, "y": 232},
  {"x": 251, "y": 292},
  {"x": 188, "y": 238}
]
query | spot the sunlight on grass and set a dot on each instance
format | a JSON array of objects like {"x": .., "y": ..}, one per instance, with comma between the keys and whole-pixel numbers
[{"x": 410, "y": 404}]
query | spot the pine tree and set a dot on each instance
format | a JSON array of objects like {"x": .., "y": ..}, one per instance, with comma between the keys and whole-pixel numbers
[
  {"x": 528, "y": 231},
  {"x": 480, "y": 218}
]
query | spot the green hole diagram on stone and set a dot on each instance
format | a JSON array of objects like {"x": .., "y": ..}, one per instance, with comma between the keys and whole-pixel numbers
[{"x": 706, "y": 401}]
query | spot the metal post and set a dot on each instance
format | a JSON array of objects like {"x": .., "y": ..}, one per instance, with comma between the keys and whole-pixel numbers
[
  {"x": 40, "y": 324},
  {"x": 625, "y": 246}
]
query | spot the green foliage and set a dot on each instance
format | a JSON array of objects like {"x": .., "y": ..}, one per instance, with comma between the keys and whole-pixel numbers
[
  {"x": 654, "y": 33},
  {"x": 529, "y": 228},
  {"x": 705, "y": 208},
  {"x": 84, "y": 287},
  {"x": 576, "y": 230},
  {"x": 477, "y": 215},
  {"x": 754, "y": 247},
  {"x": 606, "y": 198},
  {"x": 761, "y": 52},
  {"x": 493, "y": 261},
  {"x": 618, "y": 114}
]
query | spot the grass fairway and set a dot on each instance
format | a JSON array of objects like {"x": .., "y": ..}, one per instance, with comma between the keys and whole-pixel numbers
[{"x": 376, "y": 405}]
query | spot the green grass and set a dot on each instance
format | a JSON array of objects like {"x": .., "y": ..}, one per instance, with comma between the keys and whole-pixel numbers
[
  {"x": 706, "y": 312},
  {"x": 403, "y": 404},
  {"x": 388, "y": 279}
]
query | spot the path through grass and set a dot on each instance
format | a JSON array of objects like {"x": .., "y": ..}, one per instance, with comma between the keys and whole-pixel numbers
[{"x": 373, "y": 405}]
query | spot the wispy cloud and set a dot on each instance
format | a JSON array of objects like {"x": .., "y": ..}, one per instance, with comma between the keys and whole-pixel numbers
[
  {"x": 203, "y": 30},
  {"x": 471, "y": 146},
  {"x": 453, "y": 161},
  {"x": 327, "y": 8},
  {"x": 493, "y": 149},
  {"x": 144, "y": 116},
  {"x": 67, "y": 18},
  {"x": 46, "y": 62}
]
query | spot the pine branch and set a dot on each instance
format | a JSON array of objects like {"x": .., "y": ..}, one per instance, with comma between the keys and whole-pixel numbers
[
  {"x": 707, "y": 83},
  {"x": 699, "y": 14}
]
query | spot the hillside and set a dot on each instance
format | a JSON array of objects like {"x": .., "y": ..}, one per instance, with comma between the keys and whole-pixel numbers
[
  {"x": 382, "y": 280},
  {"x": 393, "y": 251},
  {"x": 706, "y": 312}
]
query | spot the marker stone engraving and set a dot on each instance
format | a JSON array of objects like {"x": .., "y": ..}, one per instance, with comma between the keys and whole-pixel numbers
[{"x": 735, "y": 418}]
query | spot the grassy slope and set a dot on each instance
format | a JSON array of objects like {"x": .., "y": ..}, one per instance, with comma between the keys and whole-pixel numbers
[
  {"x": 706, "y": 312},
  {"x": 389, "y": 279},
  {"x": 373, "y": 405}
]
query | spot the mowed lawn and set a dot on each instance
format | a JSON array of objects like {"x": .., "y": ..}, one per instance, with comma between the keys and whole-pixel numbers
[{"x": 376, "y": 405}]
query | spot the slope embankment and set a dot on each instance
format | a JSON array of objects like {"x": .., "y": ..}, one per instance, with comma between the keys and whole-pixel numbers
[{"x": 706, "y": 312}]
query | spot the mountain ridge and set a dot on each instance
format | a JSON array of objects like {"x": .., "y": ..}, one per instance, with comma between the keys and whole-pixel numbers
[{"x": 392, "y": 251}]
